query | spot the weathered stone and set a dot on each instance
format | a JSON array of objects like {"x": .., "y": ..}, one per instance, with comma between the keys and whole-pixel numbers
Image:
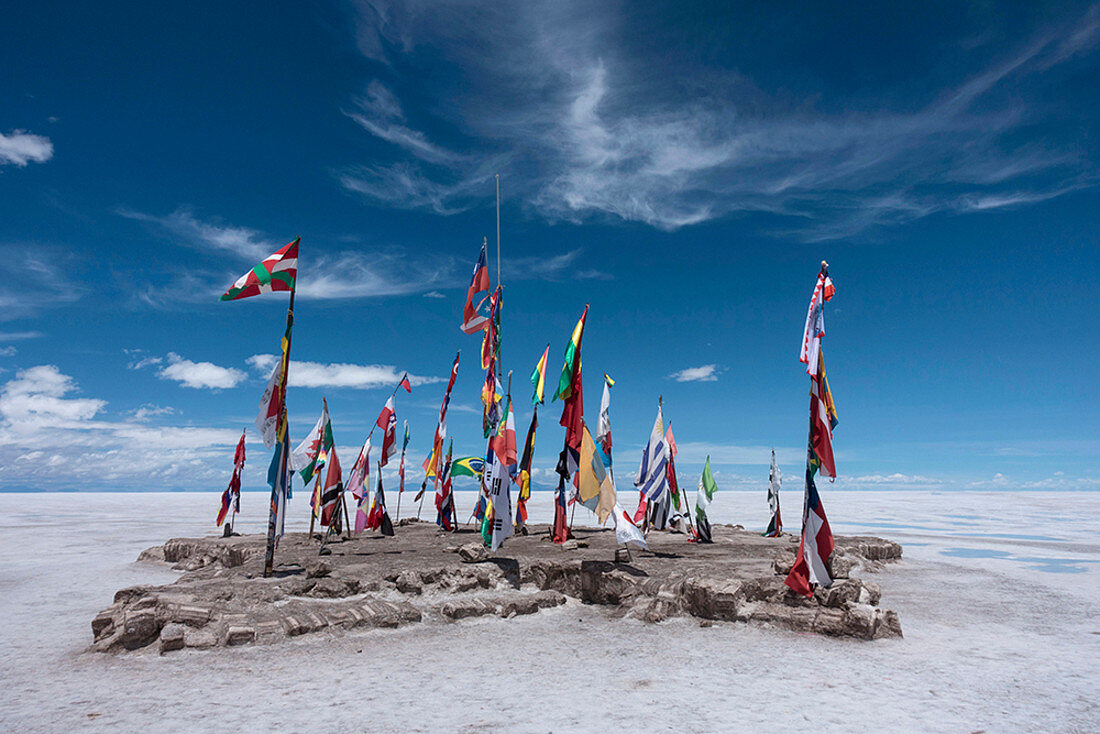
[
  {"x": 408, "y": 582},
  {"x": 472, "y": 553},
  {"x": 103, "y": 624},
  {"x": 139, "y": 628},
  {"x": 171, "y": 638},
  {"x": 570, "y": 544},
  {"x": 239, "y": 635},
  {"x": 191, "y": 616},
  {"x": 840, "y": 566},
  {"x": 199, "y": 638}
]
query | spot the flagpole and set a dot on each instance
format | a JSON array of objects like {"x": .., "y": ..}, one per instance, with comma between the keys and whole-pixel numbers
[
  {"x": 269, "y": 554},
  {"x": 497, "y": 176}
]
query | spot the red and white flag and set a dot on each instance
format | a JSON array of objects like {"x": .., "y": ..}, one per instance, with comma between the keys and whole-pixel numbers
[
  {"x": 815, "y": 320},
  {"x": 434, "y": 463},
  {"x": 271, "y": 403},
  {"x": 811, "y": 564},
  {"x": 406, "y": 384},
  {"x": 387, "y": 421},
  {"x": 472, "y": 320},
  {"x": 330, "y": 496}
]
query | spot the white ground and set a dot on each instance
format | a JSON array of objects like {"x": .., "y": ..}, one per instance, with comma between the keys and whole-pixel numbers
[{"x": 998, "y": 597}]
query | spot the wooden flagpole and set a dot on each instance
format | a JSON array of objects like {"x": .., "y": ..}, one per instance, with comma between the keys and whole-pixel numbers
[{"x": 269, "y": 554}]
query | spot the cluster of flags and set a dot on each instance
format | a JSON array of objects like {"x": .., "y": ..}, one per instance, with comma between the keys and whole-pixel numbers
[{"x": 585, "y": 462}]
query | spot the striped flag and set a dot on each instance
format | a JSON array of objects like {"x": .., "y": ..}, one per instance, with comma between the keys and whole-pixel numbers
[
  {"x": 271, "y": 406},
  {"x": 595, "y": 489},
  {"x": 472, "y": 320},
  {"x": 811, "y": 563},
  {"x": 504, "y": 468},
  {"x": 401, "y": 466},
  {"x": 310, "y": 456},
  {"x": 705, "y": 495},
  {"x": 823, "y": 420},
  {"x": 570, "y": 390},
  {"x": 652, "y": 479},
  {"x": 538, "y": 378},
  {"x": 444, "y": 497},
  {"x": 815, "y": 320},
  {"x": 431, "y": 464},
  {"x": 603, "y": 426},
  {"x": 277, "y": 272},
  {"x": 330, "y": 495},
  {"x": 525, "y": 469}
]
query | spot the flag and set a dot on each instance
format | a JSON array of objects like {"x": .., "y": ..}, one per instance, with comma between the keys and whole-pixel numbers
[
  {"x": 387, "y": 421},
  {"x": 525, "y": 469},
  {"x": 822, "y": 421},
  {"x": 405, "y": 383},
  {"x": 468, "y": 466},
  {"x": 472, "y": 320},
  {"x": 775, "y": 526},
  {"x": 815, "y": 320},
  {"x": 401, "y": 466},
  {"x": 359, "y": 484},
  {"x": 279, "y": 479},
  {"x": 707, "y": 488},
  {"x": 431, "y": 464},
  {"x": 271, "y": 405},
  {"x": 444, "y": 497},
  {"x": 673, "y": 485},
  {"x": 500, "y": 488},
  {"x": 490, "y": 343},
  {"x": 561, "y": 531},
  {"x": 603, "y": 426},
  {"x": 595, "y": 489},
  {"x": 330, "y": 496},
  {"x": 490, "y": 400},
  {"x": 538, "y": 378},
  {"x": 571, "y": 392},
  {"x": 231, "y": 497},
  {"x": 816, "y": 545},
  {"x": 277, "y": 272},
  {"x": 652, "y": 477},
  {"x": 312, "y": 452},
  {"x": 379, "y": 518},
  {"x": 639, "y": 514},
  {"x": 625, "y": 529}
]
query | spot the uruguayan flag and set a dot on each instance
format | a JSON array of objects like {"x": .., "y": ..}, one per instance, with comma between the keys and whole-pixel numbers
[{"x": 652, "y": 477}]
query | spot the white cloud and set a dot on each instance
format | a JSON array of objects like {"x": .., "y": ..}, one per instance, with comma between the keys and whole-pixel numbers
[
  {"x": 379, "y": 113},
  {"x": 151, "y": 410},
  {"x": 12, "y": 336},
  {"x": 199, "y": 375},
  {"x": 583, "y": 127},
  {"x": 186, "y": 229},
  {"x": 704, "y": 373},
  {"x": 8, "y": 351},
  {"x": 434, "y": 294},
  {"x": 339, "y": 375},
  {"x": 19, "y": 148},
  {"x": 43, "y": 283},
  {"x": 61, "y": 441}
]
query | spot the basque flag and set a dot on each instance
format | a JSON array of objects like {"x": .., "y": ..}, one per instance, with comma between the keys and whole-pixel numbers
[{"x": 472, "y": 320}]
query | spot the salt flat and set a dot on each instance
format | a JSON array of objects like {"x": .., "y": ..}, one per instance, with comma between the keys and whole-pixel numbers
[{"x": 999, "y": 594}]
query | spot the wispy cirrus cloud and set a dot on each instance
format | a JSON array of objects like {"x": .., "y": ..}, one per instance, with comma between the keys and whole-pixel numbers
[
  {"x": 43, "y": 283},
  {"x": 573, "y": 112},
  {"x": 339, "y": 374},
  {"x": 703, "y": 373},
  {"x": 19, "y": 147}
]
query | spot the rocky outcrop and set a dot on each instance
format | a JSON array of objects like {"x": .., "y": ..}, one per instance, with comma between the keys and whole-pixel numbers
[{"x": 221, "y": 600}]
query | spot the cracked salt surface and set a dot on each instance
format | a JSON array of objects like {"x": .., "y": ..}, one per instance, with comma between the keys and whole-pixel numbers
[{"x": 997, "y": 639}]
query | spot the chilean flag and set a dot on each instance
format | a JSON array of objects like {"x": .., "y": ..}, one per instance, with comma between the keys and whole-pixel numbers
[
  {"x": 811, "y": 564},
  {"x": 387, "y": 421},
  {"x": 406, "y": 384},
  {"x": 472, "y": 320}
]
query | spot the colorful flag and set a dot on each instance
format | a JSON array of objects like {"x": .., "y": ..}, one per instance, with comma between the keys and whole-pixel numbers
[
  {"x": 775, "y": 527},
  {"x": 500, "y": 488},
  {"x": 561, "y": 532},
  {"x": 379, "y": 518},
  {"x": 705, "y": 495},
  {"x": 279, "y": 479},
  {"x": 468, "y": 466},
  {"x": 330, "y": 496},
  {"x": 625, "y": 529},
  {"x": 822, "y": 421},
  {"x": 359, "y": 484},
  {"x": 816, "y": 545},
  {"x": 431, "y": 464},
  {"x": 538, "y": 378},
  {"x": 405, "y": 383},
  {"x": 271, "y": 406},
  {"x": 490, "y": 343},
  {"x": 310, "y": 456},
  {"x": 444, "y": 497},
  {"x": 387, "y": 421},
  {"x": 603, "y": 426},
  {"x": 231, "y": 497},
  {"x": 815, "y": 320},
  {"x": 472, "y": 320},
  {"x": 490, "y": 401},
  {"x": 525, "y": 469},
  {"x": 276, "y": 273},
  {"x": 401, "y": 466},
  {"x": 595, "y": 489},
  {"x": 652, "y": 477},
  {"x": 570, "y": 390}
]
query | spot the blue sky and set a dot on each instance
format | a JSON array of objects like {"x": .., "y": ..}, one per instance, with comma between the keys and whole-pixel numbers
[{"x": 681, "y": 167}]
